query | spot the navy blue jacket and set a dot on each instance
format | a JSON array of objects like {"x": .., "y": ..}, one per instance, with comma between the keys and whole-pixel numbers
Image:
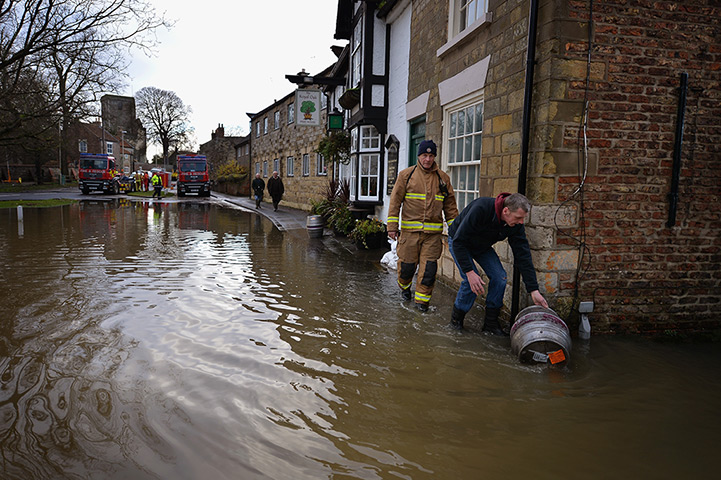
[{"x": 478, "y": 227}]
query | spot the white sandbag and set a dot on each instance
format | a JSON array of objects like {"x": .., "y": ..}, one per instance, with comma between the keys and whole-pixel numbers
[{"x": 390, "y": 259}]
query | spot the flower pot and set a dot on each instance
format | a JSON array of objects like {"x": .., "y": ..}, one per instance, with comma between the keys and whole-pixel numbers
[{"x": 373, "y": 241}]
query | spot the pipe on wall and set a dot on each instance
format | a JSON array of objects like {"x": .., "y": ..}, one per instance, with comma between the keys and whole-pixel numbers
[{"x": 526, "y": 134}]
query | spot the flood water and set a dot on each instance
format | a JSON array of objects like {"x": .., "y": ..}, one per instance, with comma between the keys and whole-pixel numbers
[{"x": 191, "y": 341}]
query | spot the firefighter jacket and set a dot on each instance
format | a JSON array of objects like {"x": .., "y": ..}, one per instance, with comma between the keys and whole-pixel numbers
[{"x": 426, "y": 195}]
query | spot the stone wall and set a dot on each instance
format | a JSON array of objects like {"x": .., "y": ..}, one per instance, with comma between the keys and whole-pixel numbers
[
  {"x": 289, "y": 140},
  {"x": 505, "y": 40}
]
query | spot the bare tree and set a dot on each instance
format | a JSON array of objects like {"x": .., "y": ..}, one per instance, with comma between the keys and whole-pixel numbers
[
  {"x": 165, "y": 117},
  {"x": 66, "y": 52}
]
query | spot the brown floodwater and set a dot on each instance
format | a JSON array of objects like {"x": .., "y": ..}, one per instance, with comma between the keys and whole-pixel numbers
[{"x": 191, "y": 341}]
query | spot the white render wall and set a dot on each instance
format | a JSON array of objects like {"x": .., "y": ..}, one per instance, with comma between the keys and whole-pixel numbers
[{"x": 400, "y": 43}]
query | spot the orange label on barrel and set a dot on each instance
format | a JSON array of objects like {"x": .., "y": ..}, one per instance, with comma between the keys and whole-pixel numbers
[{"x": 556, "y": 357}]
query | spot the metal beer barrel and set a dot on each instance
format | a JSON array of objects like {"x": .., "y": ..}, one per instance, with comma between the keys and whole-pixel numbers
[
  {"x": 540, "y": 336},
  {"x": 314, "y": 224}
]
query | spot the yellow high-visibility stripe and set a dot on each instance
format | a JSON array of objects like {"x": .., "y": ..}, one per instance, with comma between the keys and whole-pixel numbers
[
  {"x": 421, "y": 196},
  {"x": 412, "y": 225},
  {"x": 393, "y": 219},
  {"x": 405, "y": 286},
  {"x": 422, "y": 298},
  {"x": 440, "y": 197},
  {"x": 450, "y": 221}
]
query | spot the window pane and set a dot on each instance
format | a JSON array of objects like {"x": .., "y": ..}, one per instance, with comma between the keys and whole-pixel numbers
[
  {"x": 461, "y": 123},
  {"x": 454, "y": 117},
  {"x": 452, "y": 153},
  {"x": 476, "y": 147},
  {"x": 459, "y": 150},
  {"x": 374, "y": 165},
  {"x": 468, "y": 149},
  {"x": 472, "y": 177},
  {"x": 479, "y": 117},
  {"x": 374, "y": 186},
  {"x": 469, "y": 120}
]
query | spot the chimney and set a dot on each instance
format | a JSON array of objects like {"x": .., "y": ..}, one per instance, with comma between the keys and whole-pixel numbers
[{"x": 220, "y": 131}]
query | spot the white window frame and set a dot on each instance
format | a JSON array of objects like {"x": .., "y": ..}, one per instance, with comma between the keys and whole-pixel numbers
[
  {"x": 458, "y": 26},
  {"x": 291, "y": 113},
  {"x": 257, "y": 167},
  {"x": 321, "y": 168},
  {"x": 276, "y": 165},
  {"x": 306, "y": 165},
  {"x": 289, "y": 167},
  {"x": 465, "y": 172},
  {"x": 265, "y": 168},
  {"x": 369, "y": 166},
  {"x": 109, "y": 148},
  {"x": 265, "y": 125},
  {"x": 83, "y": 146},
  {"x": 356, "y": 55},
  {"x": 370, "y": 139},
  {"x": 276, "y": 120},
  {"x": 257, "y": 129}
]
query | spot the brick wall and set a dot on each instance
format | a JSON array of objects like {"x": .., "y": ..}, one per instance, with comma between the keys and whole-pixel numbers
[
  {"x": 289, "y": 140},
  {"x": 642, "y": 275}
]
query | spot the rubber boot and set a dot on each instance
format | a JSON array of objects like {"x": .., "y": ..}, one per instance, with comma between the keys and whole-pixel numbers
[
  {"x": 457, "y": 318},
  {"x": 490, "y": 323},
  {"x": 406, "y": 294}
]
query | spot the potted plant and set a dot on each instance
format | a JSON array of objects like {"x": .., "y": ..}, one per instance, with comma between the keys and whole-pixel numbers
[
  {"x": 341, "y": 219},
  {"x": 335, "y": 146},
  {"x": 369, "y": 234}
]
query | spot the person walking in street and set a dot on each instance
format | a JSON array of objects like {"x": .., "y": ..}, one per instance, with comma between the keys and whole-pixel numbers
[
  {"x": 275, "y": 189},
  {"x": 157, "y": 185},
  {"x": 482, "y": 223},
  {"x": 146, "y": 181},
  {"x": 258, "y": 186},
  {"x": 425, "y": 193}
]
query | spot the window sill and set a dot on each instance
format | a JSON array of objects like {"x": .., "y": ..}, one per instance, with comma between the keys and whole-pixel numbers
[{"x": 465, "y": 34}]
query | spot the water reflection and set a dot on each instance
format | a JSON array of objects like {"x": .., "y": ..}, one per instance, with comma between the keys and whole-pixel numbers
[{"x": 188, "y": 341}]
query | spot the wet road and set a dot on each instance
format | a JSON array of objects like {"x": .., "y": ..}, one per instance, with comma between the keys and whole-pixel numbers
[{"x": 189, "y": 340}]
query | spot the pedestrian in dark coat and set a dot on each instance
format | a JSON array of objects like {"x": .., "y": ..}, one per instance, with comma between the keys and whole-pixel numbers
[
  {"x": 276, "y": 189},
  {"x": 258, "y": 187}
]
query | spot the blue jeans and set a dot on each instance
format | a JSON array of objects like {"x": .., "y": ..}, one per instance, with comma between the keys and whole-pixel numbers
[{"x": 495, "y": 287}]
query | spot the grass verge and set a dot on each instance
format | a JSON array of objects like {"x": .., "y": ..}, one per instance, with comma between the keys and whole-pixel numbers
[{"x": 53, "y": 202}]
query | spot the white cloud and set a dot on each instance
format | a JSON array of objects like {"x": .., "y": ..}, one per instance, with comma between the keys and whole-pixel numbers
[{"x": 226, "y": 58}]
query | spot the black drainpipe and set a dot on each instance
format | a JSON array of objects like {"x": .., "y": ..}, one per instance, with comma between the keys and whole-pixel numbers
[
  {"x": 676, "y": 170},
  {"x": 527, "y": 103}
]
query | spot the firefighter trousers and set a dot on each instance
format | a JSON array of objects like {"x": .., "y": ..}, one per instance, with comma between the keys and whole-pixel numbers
[{"x": 422, "y": 250}]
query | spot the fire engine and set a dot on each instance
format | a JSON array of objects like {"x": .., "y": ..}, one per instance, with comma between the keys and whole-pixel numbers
[
  {"x": 97, "y": 173},
  {"x": 193, "y": 175}
]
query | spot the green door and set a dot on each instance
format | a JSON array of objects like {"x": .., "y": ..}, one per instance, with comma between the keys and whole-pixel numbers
[{"x": 418, "y": 134}]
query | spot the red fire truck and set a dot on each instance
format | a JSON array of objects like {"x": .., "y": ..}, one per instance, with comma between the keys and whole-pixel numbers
[
  {"x": 97, "y": 173},
  {"x": 193, "y": 175}
]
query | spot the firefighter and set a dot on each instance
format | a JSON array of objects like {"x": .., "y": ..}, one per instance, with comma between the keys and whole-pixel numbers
[
  {"x": 157, "y": 185},
  {"x": 426, "y": 195}
]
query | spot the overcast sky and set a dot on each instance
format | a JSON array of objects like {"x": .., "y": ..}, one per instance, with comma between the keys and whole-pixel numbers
[{"x": 226, "y": 58}]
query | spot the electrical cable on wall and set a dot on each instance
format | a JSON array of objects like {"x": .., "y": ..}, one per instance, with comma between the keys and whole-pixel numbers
[{"x": 583, "y": 250}]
